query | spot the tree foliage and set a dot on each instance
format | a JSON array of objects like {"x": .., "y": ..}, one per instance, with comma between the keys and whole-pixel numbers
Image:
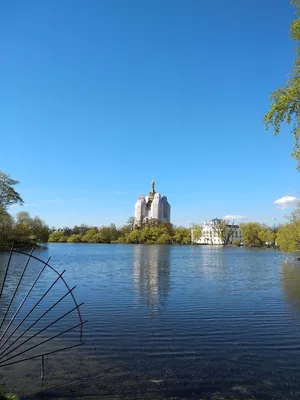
[
  {"x": 156, "y": 232},
  {"x": 8, "y": 195},
  {"x": 85, "y": 234},
  {"x": 182, "y": 235},
  {"x": 197, "y": 232},
  {"x": 285, "y": 106},
  {"x": 257, "y": 235},
  {"x": 23, "y": 230},
  {"x": 267, "y": 237},
  {"x": 288, "y": 236},
  {"x": 153, "y": 231},
  {"x": 6, "y": 227},
  {"x": 223, "y": 229}
]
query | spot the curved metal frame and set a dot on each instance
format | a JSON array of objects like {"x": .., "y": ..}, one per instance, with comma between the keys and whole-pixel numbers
[{"x": 5, "y": 353}]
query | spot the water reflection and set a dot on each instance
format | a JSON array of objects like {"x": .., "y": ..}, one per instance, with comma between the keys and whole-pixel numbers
[
  {"x": 152, "y": 275},
  {"x": 211, "y": 260},
  {"x": 290, "y": 280}
]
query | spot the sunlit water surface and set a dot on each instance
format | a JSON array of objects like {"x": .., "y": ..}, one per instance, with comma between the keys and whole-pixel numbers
[{"x": 166, "y": 322}]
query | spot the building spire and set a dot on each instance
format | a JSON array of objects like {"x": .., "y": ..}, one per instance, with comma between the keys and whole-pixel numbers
[{"x": 153, "y": 186}]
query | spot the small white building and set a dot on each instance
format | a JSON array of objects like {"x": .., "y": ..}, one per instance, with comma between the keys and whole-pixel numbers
[
  {"x": 210, "y": 234},
  {"x": 153, "y": 206}
]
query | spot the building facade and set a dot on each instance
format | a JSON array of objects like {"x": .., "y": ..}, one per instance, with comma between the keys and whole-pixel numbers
[
  {"x": 153, "y": 206},
  {"x": 210, "y": 235}
]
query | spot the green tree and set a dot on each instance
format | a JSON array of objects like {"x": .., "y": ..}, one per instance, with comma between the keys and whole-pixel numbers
[
  {"x": 267, "y": 237},
  {"x": 164, "y": 238},
  {"x": 55, "y": 236},
  {"x": 144, "y": 234},
  {"x": 295, "y": 216},
  {"x": 29, "y": 229},
  {"x": 6, "y": 227},
  {"x": 23, "y": 217},
  {"x": 122, "y": 239},
  {"x": 104, "y": 234},
  {"x": 8, "y": 195},
  {"x": 22, "y": 232},
  {"x": 134, "y": 237},
  {"x": 63, "y": 239},
  {"x": 67, "y": 231},
  {"x": 154, "y": 233},
  {"x": 90, "y": 236},
  {"x": 39, "y": 230},
  {"x": 114, "y": 233},
  {"x": 288, "y": 236},
  {"x": 77, "y": 230},
  {"x": 285, "y": 106},
  {"x": 131, "y": 223},
  {"x": 251, "y": 234},
  {"x": 197, "y": 232},
  {"x": 182, "y": 235},
  {"x": 76, "y": 238},
  {"x": 125, "y": 230},
  {"x": 223, "y": 229}
]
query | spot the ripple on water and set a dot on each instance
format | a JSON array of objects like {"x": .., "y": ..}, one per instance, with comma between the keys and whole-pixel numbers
[{"x": 173, "y": 321}]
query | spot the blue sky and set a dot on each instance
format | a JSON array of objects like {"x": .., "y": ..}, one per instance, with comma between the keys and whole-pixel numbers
[{"x": 97, "y": 97}]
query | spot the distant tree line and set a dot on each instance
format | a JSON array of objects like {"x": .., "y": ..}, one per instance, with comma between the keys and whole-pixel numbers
[
  {"x": 25, "y": 230},
  {"x": 85, "y": 234},
  {"x": 254, "y": 234},
  {"x": 285, "y": 236},
  {"x": 257, "y": 235},
  {"x": 151, "y": 232},
  {"x": 22, "y": 230}
]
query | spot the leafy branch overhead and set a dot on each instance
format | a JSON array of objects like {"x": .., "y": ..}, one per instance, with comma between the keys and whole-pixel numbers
[{"x": 285, "y": 105}]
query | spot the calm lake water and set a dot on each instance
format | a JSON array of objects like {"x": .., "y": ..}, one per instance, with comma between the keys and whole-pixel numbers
[{"x": 167, "y": 322}]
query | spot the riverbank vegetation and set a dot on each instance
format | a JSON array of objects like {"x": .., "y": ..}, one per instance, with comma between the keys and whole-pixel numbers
[
  {"x": 257, "y": 235},
  {"x": 288, "y": 235},
  {"x": 22, "y": 230},
  {"x": 152, "y": 232},
  {"x": 253, "y": 234}
]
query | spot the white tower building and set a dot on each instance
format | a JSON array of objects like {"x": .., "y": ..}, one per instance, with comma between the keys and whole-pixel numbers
[{"x": 152, "y": 206}]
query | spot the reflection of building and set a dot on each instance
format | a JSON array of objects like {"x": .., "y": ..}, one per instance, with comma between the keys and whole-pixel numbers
[
  {"x": 152, "y": 274},
  {"x": 152, "y": 207},
  {"x": 290, "y": 281},
  {"x": 210, "y": 235}
]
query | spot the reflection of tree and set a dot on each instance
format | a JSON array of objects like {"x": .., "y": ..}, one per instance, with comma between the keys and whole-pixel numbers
[
  {"x": 291, "y": 283},
  {"x": 152, "y": 274}
]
